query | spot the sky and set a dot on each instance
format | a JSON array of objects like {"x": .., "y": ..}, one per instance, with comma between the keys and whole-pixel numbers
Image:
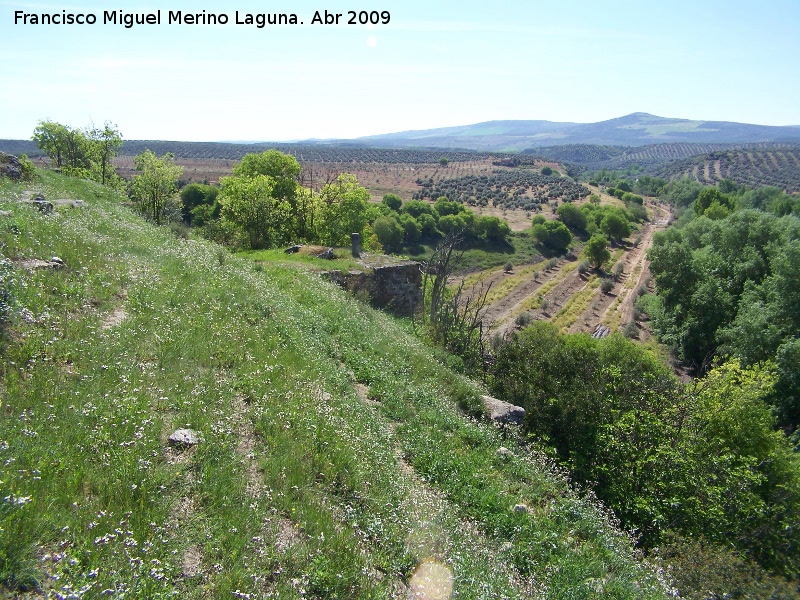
[{"x": 434, "y": 64}]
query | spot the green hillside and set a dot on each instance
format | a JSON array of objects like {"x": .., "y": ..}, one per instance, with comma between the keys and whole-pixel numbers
[{"x": 338, "y": 458}]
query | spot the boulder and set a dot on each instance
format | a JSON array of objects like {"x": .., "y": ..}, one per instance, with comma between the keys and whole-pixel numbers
[
  {"x": 10, "y": 167},
  {"x": 504, "y": 452},
  {"x": 184, "y": 438},
  {"x": 327, "y": 254},
  {"x": 503, "y": 412},
  {"x": 293, "y": 249},
  {"x": 521, "y": 509}
]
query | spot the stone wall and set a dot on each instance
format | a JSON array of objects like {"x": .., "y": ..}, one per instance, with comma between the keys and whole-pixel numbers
[{"x": 395, "y": 287}]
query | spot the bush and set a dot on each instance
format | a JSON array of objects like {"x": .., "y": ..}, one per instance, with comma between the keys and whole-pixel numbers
[
  {"x": 583, "y": 267},
  {"x": 619, "y": 270},
  {"x": 606, "y": 285},
  {"x": 508, "y": 267},
  {"x": 631, "y": 330},
  {"x": 26, "y": 167},
  {"x": 523, "y": 319}
]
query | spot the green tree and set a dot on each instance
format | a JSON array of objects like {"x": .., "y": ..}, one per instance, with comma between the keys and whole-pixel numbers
[
  {"x": 572, "y": 217},
  {"x": 393, "y": 201},
  {"x": 417, "y": 207},
  {"x": 51, "y": 138},
  {"x": 552, "y": 234},
  {"x": 345, "y": 210},
  {"x": 710, "y": 196},
  {"x": 196, "y": 195},
  {"x": 615, "y": 226},
  {"x": 103, "y": 146},
  {"x": 390, "y": 233},
  {"x": 411, "y": 229},
  {"x": 492, "y": 229},
  {"x": 250, "y": 203},
  {"x": 596, "y": 251},
  {"x": 282, "y": 168},
  {"x": 157, "y": 184}
]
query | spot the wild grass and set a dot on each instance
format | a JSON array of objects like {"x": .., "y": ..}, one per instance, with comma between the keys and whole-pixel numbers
[
  {"x": 335, "y": 459},
  {"x": 575, "y": 306}
]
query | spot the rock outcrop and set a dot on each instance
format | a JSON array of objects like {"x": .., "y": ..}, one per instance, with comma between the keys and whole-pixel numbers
[{"x": 503, "y": 412}]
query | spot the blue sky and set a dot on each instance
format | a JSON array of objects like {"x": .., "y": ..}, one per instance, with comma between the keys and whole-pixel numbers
[{"x": 435, "y": 64}]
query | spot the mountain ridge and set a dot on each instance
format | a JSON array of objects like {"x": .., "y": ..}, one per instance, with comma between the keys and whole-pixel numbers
[{"x": 635, "y": 129}]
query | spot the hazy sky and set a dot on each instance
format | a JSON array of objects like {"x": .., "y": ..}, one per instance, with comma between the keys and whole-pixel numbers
[{"x": 436, "y": 64}]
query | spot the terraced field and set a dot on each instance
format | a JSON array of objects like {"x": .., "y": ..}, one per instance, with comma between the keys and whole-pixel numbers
[{"x": 561, "y": 294}]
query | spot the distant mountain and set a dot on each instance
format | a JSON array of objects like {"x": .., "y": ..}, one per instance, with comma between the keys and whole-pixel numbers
[{"x": 637, "y": 129}]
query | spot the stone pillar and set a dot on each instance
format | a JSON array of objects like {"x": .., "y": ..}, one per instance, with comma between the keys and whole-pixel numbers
[{"x": 355, "y": 240}]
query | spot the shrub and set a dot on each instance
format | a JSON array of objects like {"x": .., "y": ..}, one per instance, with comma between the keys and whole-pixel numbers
[
  {"x": 523, "y": 319},
  {"x": 508, "y": 267},
  {"x": 26, "y": 167},
  {"x": 606, "y": 285},
  {"x": 631, "y": 330},
  {"x": 583, "y": 267},
  {"x": 619, "y": 269}
]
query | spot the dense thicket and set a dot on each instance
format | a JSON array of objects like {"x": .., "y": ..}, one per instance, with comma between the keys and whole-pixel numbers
[
  {"x": 703, "y": 460},
  {"x": 728, "y": 284}
]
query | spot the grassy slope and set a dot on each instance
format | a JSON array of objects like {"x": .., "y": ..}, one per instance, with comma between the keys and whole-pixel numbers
[{"x": 336, "y": 458}]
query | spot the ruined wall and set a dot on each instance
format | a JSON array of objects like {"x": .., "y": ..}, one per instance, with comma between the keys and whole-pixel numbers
[{"x": 396, "y": 287}]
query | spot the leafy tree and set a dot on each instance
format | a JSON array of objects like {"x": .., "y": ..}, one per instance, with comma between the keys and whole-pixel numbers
[
  {"x": 615, "y": 226},
  {"x": 390, "y": 233},
  {"x": 596, "y": 251},
  {"x": 711, "y": 196},
  {"x": 157, "y": 184},
  {"x": 443, "y": 162},
  {"x": 428, "y": 229},
  {"x": 103, "y": 146},
  {"x": 452, "y": 224},
  {"x": 412, "y": 231},
  {"x": 51, "y": 138},
  {"x": 393, "y": 201},
  {"x": 282, "y": 168},
  {"x": 572, "y": 217},
  {"x": 492, "y": 229},
  {"x": 624, "y": 186},
  {"x": 86, "y": 154},
  {"x": 415, "y": 208},
  {"x": 345, "y": 210},
  {"x": 552, "y": 234},
  {"x": 251, "y": 204},
  {"x": 443, "y": 207},
  {"x": 547, "y": 171},
  {"x": 197, "y": 195}
]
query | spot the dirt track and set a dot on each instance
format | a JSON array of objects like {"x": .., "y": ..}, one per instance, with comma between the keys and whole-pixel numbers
[{"x": 573, "y": 300}]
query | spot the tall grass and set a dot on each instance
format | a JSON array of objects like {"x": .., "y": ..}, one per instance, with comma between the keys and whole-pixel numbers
[{"x": 335, "y": 458}]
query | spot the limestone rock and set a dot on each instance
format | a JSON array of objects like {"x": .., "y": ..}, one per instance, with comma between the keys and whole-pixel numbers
[
  {"x": 521, "y": 509},
  {"x": 10, "y": 167},
  {"x": 184, "y": 438},
  {"x": 503, "y": 412},
  {"x": 293, "y": 249},
  {"x": 327, "y": 254},
  {"x": 504, "y": 452}
]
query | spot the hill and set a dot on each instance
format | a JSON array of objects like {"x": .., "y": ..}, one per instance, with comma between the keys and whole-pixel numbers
[
  {"x": 636, "y": 129},
  {"x": 337, "y": 458}
]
